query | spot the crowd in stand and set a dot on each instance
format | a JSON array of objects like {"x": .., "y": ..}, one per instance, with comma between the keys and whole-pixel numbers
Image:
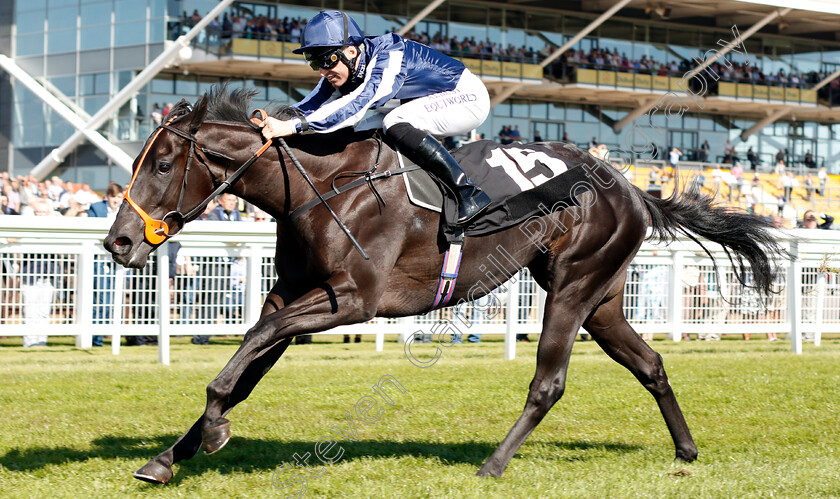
[
  {"x": 249, "y": 27},
  {"x": 61, "y": 198},
  {"x": 734, "y": 72},
  {"x": 289, "y": 29}
]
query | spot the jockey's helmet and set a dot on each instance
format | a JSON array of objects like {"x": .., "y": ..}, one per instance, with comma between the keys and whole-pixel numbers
[{"x": 329, "y": 29}]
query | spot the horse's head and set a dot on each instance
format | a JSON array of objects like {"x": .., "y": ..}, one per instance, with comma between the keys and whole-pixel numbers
[{"x": 172, "y": 176}]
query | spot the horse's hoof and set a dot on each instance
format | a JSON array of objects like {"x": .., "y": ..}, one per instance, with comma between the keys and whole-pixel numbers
[
  {"x": 686, "y": 456},
  {"x": 486, "y": 470},
  {"x": 216, "y": 438},
  {"x": 154, "y": 472}
]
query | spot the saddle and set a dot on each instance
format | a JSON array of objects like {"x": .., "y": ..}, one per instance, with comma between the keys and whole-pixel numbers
[{"x": 523, "y": 180}]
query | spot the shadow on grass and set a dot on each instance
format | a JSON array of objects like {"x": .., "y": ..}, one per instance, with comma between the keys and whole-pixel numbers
[{"x": 245, "y": 455}]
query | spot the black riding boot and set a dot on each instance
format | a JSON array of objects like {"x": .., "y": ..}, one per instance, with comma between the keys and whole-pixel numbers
[{"x": 432, "y": 156}]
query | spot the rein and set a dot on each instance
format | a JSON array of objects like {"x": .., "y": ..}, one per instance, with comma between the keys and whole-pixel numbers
[{"x": 157, "y": 230}]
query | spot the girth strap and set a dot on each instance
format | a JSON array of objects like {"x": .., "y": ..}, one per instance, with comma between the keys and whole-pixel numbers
[{"x": 350, "y": 185}]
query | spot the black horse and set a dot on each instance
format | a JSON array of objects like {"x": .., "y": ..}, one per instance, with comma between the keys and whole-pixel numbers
[{"x": 580, "y": 258}]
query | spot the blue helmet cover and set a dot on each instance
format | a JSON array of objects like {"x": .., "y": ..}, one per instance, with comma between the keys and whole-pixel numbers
[{"x": 327, "y": 29}]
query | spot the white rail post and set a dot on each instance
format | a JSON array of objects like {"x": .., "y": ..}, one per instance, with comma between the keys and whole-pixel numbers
[
  {"x": 512, "y": 316},
  {"x": 253, "y": 286},
  {"x": 675, "y": 291},
  {"x": 84, "y": 296},
  {"x": 822, "y": 277},
  {"x": 163, "y": 303},
  {"x": 380, "y": 337},
  {"x": 794, "y": 298},
  {"x": 118, "y": 303},
  {"x": 541, "y": 296}
]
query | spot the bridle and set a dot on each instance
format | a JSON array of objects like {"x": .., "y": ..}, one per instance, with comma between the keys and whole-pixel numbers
[{"x": 157, "y": 230}]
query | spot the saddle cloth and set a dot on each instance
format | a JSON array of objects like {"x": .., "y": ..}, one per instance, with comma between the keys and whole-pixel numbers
[{"x": 523, "y": 180}]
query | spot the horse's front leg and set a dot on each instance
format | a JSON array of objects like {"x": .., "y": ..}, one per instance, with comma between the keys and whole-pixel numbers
[
  {"x": 159, "y": 469},
  {"x": 336, "y": 302}
]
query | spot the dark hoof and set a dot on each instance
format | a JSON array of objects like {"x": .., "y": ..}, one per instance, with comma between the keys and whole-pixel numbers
[
  {"x": 686, "y": 457},
  {"x": 216, "y": 438},
  {"x": 488, "y": 471},
  {"x": 154, "y": 472}
]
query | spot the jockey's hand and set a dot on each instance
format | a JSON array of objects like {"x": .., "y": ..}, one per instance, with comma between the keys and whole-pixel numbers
[{"x": 273, "y": 128}]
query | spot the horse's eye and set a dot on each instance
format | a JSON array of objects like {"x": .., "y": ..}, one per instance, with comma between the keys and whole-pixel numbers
[{"x": 164, "y": 167}]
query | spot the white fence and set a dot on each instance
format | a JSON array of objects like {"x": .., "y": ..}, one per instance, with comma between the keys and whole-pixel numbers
[{"x": 56, "y": 279}]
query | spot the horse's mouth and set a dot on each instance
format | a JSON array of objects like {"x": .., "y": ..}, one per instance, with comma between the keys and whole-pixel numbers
[{"x": 121, "y": 251}]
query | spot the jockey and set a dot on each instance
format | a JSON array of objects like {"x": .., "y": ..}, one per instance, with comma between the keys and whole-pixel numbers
[{"x": 416, "y": 91}]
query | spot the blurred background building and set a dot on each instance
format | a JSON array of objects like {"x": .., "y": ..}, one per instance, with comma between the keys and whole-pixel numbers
[{"x": 776, "y": 93}]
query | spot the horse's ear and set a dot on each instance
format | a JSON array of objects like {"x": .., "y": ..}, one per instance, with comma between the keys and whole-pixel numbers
[{"x": 196, "y": 117}]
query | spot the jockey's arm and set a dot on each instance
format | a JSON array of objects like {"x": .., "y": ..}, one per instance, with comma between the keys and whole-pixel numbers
[{"x": 379, "y": 86}]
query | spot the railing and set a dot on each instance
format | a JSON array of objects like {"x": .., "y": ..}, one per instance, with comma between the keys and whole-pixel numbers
[
  {"x": 615, "y": 78},
  {"x": 57, "y": 280},
  {"x": 483, "y": 65}
]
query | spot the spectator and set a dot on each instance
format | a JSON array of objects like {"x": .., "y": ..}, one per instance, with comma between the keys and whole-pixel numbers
[
  {"x": 537, "y": 136},
  {"x": 811, "y": 220},
  {"x": 5, "y": 209},
  {"x": 593, "y": 143},
  {"x": 780, "y": 203},
  {"x": 104, "y": 271},
  {"x": 753, "y": 159},
  {"x": 704, "y": 151},
  {"x": 823, "y": 177},
  {"x": 11, "y": 191},
  {"x": 515, "y": 135},
  {"x": 653, "y": 296},
  {"x": 566, "y": 138},
  {"x": 235, "y": 296},
  {"x": 227, "y": 209},
  {"x": 729, "y": 153},
  {"x": 809, "y": 187},
  {"x": 38, "y": 275},
  {"x": 156, "y": 114},
  {"x": 736, "y": 181},
  {"x": 809, "y": 160},
  {"x": 182, "y": 277},
  {"x": 717, "y": 177},
  {"x": 674, "y": 157},
  {"x": 216, "y": 274},
  {"x": 780, "y": 156},
  {"x": 505, "y": 135},
  {"x": 780, "y": 168}
]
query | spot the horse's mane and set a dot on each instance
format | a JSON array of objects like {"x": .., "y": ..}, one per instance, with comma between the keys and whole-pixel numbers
[{"x": 234, "y": 106}]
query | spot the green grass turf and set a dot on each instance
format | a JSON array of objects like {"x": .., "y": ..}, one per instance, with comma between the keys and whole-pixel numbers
[{"x": 78, "y": 423}]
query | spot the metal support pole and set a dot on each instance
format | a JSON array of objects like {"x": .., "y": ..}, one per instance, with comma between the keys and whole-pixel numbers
[
  {"x": 114, "y": 153},
  {"x": 419, "y": 17},
  {"x": 557, "y": 53},
  {"x": 57, "y": 156}
]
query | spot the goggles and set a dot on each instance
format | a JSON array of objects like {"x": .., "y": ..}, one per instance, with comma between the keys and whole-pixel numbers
[{"x": 324, "y": 60}]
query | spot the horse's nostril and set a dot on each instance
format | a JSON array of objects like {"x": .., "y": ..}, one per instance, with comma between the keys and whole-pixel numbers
[
  {"x": 122, "y": 241},
  {"x": 118, "y": 245}
]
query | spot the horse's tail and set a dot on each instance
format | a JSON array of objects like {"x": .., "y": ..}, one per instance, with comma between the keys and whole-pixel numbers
[{"x": 742, "y": 235}]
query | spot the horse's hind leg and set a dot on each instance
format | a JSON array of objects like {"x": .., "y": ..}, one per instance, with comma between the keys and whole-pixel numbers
[
  {"x": 610, "y": 329},
  {"x": 159, "y": 469},
  {"x": 560, "y": 327}
]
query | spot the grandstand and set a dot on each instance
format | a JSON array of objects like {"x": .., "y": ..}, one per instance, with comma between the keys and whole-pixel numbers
[{"x": 638, "y": 76}]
